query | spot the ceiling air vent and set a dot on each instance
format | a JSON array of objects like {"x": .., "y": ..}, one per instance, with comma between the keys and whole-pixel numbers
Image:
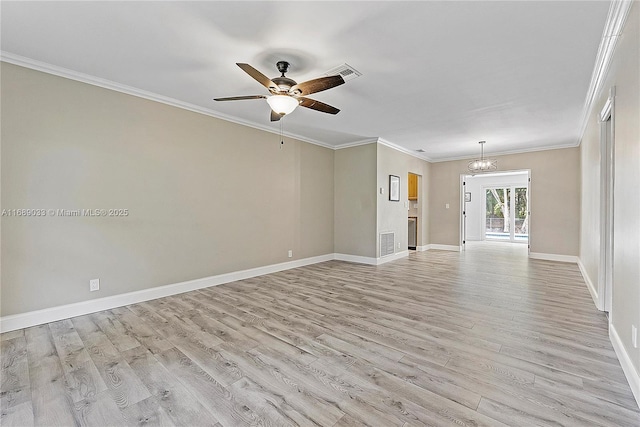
[
  {"x": 420, "y": 150},
  {"x": 346, "y": 71}
]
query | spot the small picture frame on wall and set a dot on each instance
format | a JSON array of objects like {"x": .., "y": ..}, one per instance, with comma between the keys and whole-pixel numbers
[
  {"x": 467, "y": 197},
  {"x": 394, "y": 188}
]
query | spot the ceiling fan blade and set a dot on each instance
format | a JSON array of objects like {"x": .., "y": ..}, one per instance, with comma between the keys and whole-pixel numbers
[
  {"x": 258, "y": 76},
  {"x": 238, "y": 98},
  {"x": 316, "y": 85},
  {"x": 317, "y": 105},
  {"x": 275, "y": 116}
]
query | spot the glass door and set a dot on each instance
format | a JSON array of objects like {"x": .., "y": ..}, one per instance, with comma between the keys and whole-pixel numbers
[
  {"x": 521, "y": 220},
  {"x": 506, "y": 214},
  {"x": 498, "y": 214}
]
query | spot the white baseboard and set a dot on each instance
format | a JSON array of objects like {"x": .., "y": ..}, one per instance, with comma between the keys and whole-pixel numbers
[
  {"x": 393, "y": 257},
  {"x": 356, "y": 258},
  {"x": 592, "y": 290},
  {"x": 436, "y": 247},
  {"x": 53, "y": 314},
  {"x": 422, "y": 248},
  {"x": 38, "y": 317},
  {"x": 625, "y": 361},
  {"x": 554, "y": 257},
  {"x": 370, "y": 260}
]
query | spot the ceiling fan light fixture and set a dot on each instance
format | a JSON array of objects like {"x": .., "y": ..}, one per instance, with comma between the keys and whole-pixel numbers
[{"x": 282, "y": 104}]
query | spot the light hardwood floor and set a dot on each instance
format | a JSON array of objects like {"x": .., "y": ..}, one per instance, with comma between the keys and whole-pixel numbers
[{"x": 480, "y": 338}]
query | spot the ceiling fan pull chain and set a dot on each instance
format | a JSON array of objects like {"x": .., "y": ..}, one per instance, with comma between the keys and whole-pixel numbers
[{"x": 281, "y": 136}]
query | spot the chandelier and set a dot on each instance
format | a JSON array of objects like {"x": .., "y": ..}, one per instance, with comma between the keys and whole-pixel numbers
[{"x": 482, "y": 164}]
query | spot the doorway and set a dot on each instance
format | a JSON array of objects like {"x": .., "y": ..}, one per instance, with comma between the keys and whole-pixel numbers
[
  {"x": 414, "y": 212},
  {"x": 496, "y": 208},
  {"x": 607, "y": 170}
]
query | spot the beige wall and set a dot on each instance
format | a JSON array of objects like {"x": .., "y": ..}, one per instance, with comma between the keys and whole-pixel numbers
[
  {"x": 355, "y": 200},
  {"x": 554, "y": 198},
  {"x": 624, "y": 74},
  {"x": 444, "y": 188},
  {"x": 205, "y": 196},
  {"x": 392, "y": 216}
]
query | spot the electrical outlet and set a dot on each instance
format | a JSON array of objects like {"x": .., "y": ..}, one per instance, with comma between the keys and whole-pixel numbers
[
  {"x": 94, "y": 285},
  {"x": 398, "y": 245},
  {"x": 290, "y": 253},
  {"x": 446, "y": 206},
  {"x": 634, "y": 336}
]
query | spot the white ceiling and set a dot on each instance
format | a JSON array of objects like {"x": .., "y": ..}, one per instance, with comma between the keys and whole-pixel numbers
[{"x": 437, "y": 76}]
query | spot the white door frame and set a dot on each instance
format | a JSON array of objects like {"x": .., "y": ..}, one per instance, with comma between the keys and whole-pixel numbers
[
  {"x": 463, "y": 230},
  {"x": 607, "y": 168},
  {"x": 420, "y": 246},
  {"x": 463, "y": 213}
]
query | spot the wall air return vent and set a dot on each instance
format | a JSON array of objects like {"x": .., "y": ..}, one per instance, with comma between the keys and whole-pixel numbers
[
  {"x": 346, "y": 71},
  {"x": 387, "y": 243}
]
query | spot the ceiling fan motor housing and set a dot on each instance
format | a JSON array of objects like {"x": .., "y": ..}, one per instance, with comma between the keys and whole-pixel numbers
[
  {"x": 283, "y": 67},
  {"x": 284, "y": 83}
]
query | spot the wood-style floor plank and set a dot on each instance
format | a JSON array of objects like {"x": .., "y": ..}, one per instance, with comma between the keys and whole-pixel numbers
[
  {"x": 82, "y": 377},
  {"x": 50, "y": 398},
  {"x": 177, "y": 404},
  {"x": 14, "y": 376},
  {"x": 298, "y": 396},
  {"x": 486, "y": 337},
  {"x": 227, "y": 409},
  {"x": 125, "y": 387}
]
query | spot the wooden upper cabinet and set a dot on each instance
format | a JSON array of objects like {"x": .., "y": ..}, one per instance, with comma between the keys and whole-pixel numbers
[{"x": 413, "y": 187}]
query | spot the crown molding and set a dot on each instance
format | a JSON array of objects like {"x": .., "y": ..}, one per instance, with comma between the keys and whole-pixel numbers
[
  {"x": 616, "y": 18},
  {"x": 403, "y": 150},
  {"x": 448, "y": 159},
  {"x": 507, "y": 153},
  {"x": 383, "y": 142},
  {"x": 356, "y": 143},
  {"x": 130, "y": 90}
]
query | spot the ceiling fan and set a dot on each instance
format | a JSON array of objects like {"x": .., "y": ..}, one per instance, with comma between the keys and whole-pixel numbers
[{"x": 286, "y": 94}]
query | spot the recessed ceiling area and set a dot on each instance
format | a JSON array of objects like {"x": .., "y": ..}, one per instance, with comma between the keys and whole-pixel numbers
[{"x": 436, "y": 76}]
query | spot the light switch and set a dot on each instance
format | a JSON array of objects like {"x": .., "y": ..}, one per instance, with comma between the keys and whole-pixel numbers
[
  {"x": 381, "y": 190},
  {"x": 446, "y": 206}
]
